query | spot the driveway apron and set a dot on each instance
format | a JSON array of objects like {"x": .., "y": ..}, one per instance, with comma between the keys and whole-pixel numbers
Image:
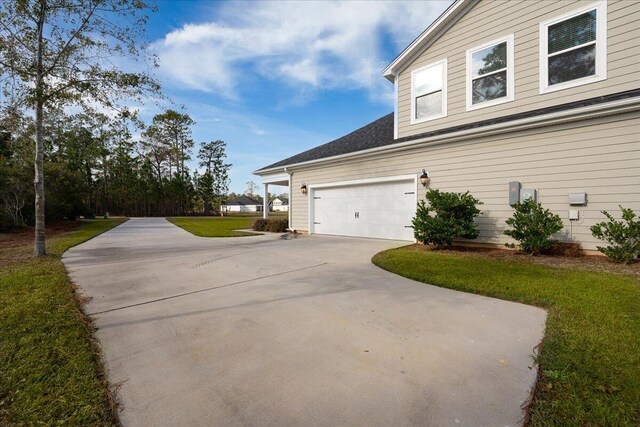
[{"x": 271, "y": 332}]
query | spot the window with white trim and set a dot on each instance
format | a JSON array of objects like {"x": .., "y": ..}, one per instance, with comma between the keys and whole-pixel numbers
[
  {"x": 573, "y": 48},
  {"x": 490, "y": 73},
  {"x": 429, "y": 92}
]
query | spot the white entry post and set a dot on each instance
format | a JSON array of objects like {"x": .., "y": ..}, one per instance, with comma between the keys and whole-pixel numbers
[
  {"x": 265, "y": 202},
  {"x": 280, "y": 179}
]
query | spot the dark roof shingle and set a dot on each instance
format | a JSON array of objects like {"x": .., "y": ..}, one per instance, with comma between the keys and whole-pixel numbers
[
  {"x": 375, "y": 134},
  {"x": 243, "y": 201},
  {"x": 380, "y": 132}
]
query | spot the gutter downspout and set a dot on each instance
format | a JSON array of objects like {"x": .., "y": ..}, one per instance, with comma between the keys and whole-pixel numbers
[{"x": 286, "y": 170}]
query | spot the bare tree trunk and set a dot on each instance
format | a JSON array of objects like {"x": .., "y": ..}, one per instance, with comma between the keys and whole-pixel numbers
[
  {"x": 39, "y": 244},
  {"x": 105, "y": 188}
]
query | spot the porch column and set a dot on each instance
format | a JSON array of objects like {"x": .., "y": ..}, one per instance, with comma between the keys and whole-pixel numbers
[
  {"x": 290, "y": 200},
  {"x": 265, "y": 202}
]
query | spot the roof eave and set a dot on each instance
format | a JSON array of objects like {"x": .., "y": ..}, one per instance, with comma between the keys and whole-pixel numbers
[
  {"x": 391, "y": 71},
  {"x": 582, "y": 113}
]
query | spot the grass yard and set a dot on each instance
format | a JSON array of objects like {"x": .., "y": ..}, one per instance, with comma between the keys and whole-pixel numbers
[
  {"x": 590, "y": 357},
  {"x": 50, "y": 373},
  {"x": 215, "y": 226}
]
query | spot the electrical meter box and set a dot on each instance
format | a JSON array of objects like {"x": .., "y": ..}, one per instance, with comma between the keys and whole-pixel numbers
[
  {"x": 578, "y": 199},
  {"x": 514, "y": 192},
  {"x": 527, "y": 194}
]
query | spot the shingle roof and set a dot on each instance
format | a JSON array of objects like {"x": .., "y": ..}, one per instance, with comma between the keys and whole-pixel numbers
[
  {"x": 243, "y": 201},
  {"x": 380, "y": 132},
  {"x": 375, "y": 134},
  {"x": 283, "y": 200}
]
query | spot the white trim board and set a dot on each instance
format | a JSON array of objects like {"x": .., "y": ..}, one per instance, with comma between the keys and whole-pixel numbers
[
  {"x": 600, "y": 42},
  {"x": 274, "y": 179},
  {"x": 393, "y": 68},
  {"x": 575, "y": 114},
  {"x": 443, "y": 90},
  {"x": 510, "y": 73}
]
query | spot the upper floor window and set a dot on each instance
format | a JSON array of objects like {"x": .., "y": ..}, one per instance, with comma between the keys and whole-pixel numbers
[
  {"x": 573, "y": 48},
  {"x": 490, "y": 73},
  {"x": 429, "y": 92}
]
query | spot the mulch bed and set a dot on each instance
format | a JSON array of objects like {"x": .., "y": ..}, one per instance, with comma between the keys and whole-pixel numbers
[{"x": 585, "y": 262}]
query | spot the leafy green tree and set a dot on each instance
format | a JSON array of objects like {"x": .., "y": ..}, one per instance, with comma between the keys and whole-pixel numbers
[
  {"x": 448, "y": 216},
  {"x": 212, "y": 157},
  {"x": 205, "y": 190},
  {"x": 622, "y": 235},
  {"x": 532, "y": 226},
  {"x": 59, "y": 53},
  {"x": 173, "y": 129}
]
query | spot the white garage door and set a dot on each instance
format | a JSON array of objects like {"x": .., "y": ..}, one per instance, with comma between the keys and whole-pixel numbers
[{"x": 380, "y": 210}]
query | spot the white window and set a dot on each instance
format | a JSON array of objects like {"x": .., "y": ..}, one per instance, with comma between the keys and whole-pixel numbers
[
  {"x": 490, "y": 73},
  {"x": 573, "y": 48},
  {"x": 429, "y": 92}
]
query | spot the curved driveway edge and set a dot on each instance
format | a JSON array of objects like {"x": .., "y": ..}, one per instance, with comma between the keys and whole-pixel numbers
[{"x": 264, "y": 331}]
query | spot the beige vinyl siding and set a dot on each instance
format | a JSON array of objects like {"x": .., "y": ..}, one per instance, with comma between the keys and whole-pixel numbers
[
  {"x": 599, "y": 156},
  {"x": 489, "y": 20}
]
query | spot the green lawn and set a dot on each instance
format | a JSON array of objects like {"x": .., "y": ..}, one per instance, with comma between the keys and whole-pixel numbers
[
  {"x": 50, "y": 373},
  {"x": 215, "y": 226},
  {"x": 590, "y": 357}
]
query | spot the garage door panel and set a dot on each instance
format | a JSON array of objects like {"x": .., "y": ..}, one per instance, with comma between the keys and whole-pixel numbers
[{"x": 380, "y": 210}]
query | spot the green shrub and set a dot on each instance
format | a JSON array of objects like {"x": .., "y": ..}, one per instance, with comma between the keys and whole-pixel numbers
[
  {"x": 278, "y": 225},
  {"x": 453, "y": 215},
  {"x": 260, "y": 225},
  {"x": 275, "y": 225},
  {"x": 532, "y": 225},
  {"x": 623, "y": 236}
]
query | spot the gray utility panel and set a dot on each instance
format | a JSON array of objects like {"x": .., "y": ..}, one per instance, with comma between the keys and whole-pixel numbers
[
  {"x": 578, "y": 199},
  {"x": 514, "y": 192}
]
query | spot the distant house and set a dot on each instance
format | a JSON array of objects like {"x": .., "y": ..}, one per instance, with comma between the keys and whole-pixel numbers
[
  {"x": 507, "y": 100},
  {"x": 280, "y": 205},
  {"x": 242, "y": 204}
]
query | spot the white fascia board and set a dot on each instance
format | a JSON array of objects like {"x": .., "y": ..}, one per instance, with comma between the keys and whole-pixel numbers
[
  {"x": 576, "y": 114},
  {"x": 390, "y": 72},
  {"x": 365, "y": 181},
  {"x": 273, "y": 179},
  {"x": 396, "y": 101}
]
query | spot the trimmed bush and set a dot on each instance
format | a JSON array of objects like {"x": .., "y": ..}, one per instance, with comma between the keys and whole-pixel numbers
[
  {"x": 449, "y": 216},
  {"x": 275, "y": 225},
  {"x": 260, "y": 225},
  {"x": 532, "y": 226},
  {"x": 623, "y": 236},
  {"x": 278, "y": 225}
]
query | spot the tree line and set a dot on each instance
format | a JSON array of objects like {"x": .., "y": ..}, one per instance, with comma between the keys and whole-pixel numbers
[
  {"x": 90, "y": 56},
  {"x": 94, "y": 165}
]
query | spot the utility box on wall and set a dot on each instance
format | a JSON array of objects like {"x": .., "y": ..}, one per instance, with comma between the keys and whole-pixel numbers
[
  {"x": 578, "y": 199},
  {"x": 514, "y": 192},
  {"x": 527, "y": 194}
]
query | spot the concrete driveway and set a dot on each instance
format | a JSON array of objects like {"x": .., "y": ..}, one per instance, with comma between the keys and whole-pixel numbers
[{"x": 263, "y": 331}]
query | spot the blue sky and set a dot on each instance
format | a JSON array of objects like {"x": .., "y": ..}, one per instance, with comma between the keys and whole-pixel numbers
[{"x": 276, "y": 78}]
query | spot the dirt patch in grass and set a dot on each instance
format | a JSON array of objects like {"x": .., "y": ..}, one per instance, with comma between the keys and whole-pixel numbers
[
  {"x": 585, "y": 263},
  {"x": 16, "y": 245},
  {"x": 22, "y": 236}
]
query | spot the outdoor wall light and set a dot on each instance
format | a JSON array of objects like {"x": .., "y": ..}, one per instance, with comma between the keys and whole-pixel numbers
[
  {"x": 424, "y": 178},
  {"x": 303, "y": 188}
]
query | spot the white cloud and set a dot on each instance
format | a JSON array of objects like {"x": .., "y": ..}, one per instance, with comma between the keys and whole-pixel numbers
[
  {"x": 257, "y": 130},
  {"x": 304, "y": 45}
]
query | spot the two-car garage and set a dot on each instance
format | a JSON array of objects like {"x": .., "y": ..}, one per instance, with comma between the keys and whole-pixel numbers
[{"x": 380, "y": 208}]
